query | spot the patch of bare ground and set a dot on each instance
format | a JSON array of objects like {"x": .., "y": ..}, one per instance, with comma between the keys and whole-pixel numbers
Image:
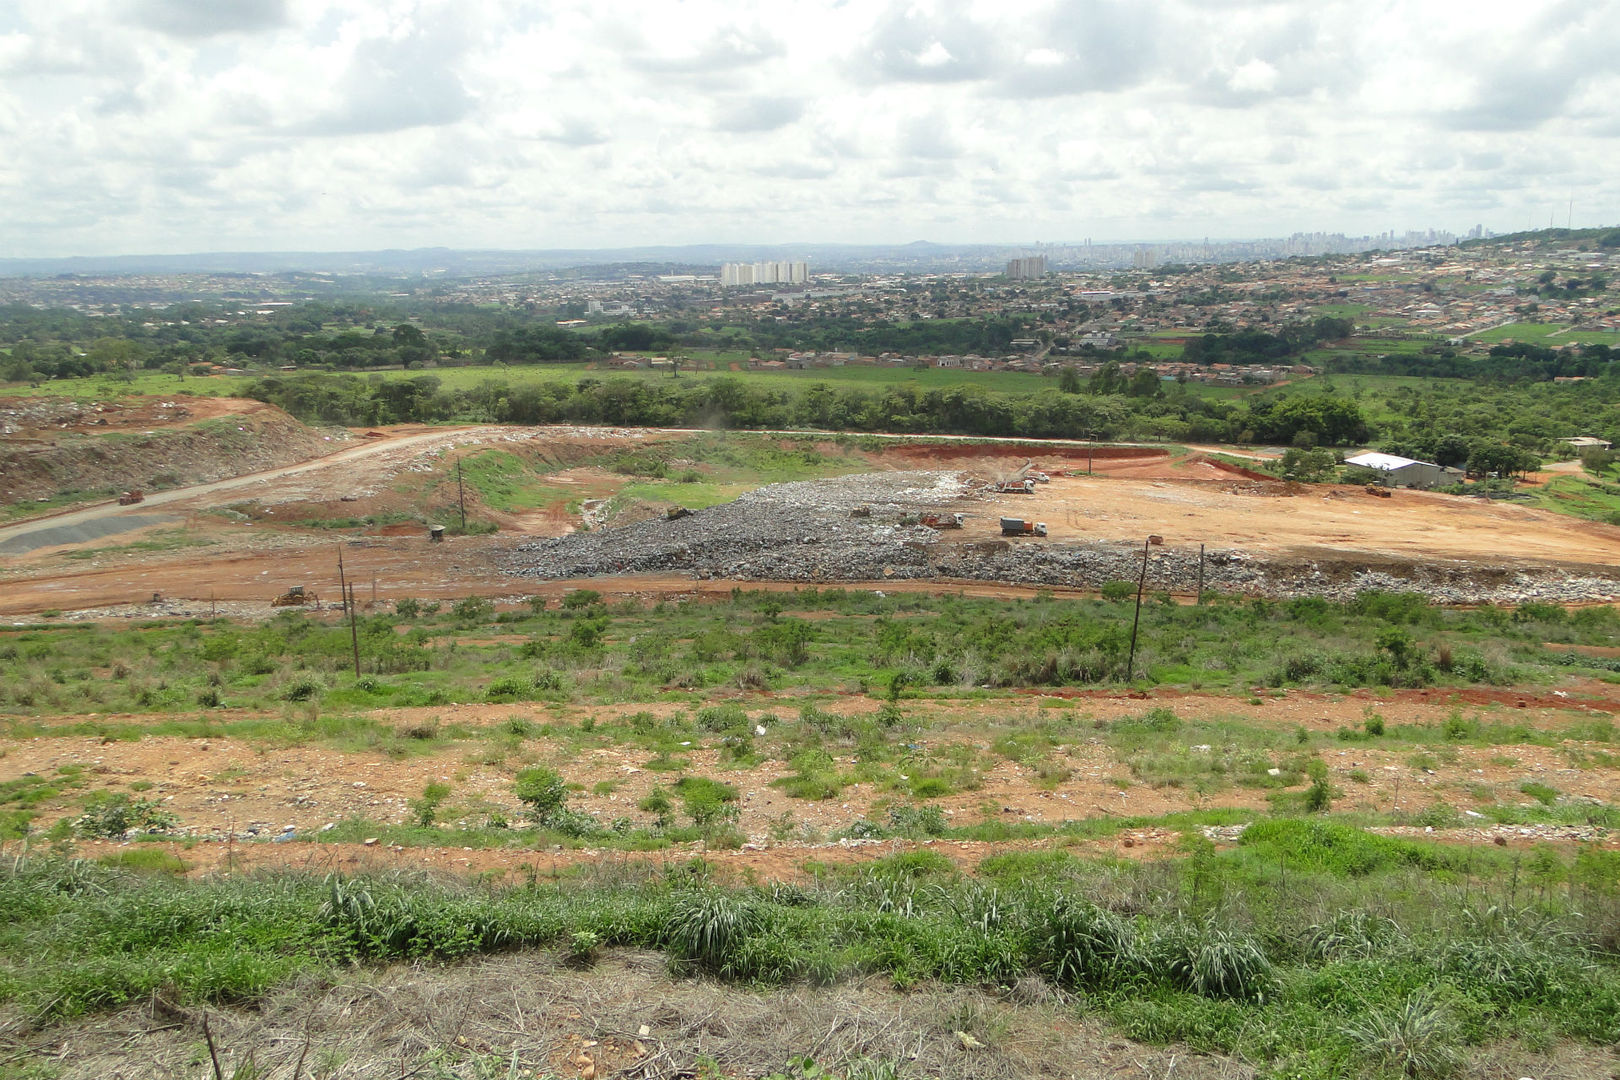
[
  {"x": 253, "y": 789},
  {"x": 531, "y": 1014}
]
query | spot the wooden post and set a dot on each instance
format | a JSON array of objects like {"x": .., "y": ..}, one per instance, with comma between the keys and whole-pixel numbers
[
  {"x": 461, "y": 496},
  {"x": 354, "y": 634},
  {"x": 343, "y": 587},
  {"x": 1141, "y": 583}
]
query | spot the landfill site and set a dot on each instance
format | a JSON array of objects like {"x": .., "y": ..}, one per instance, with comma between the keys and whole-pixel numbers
[
  {"x": 872, "y": 528},
  {"x": 266, "y": 504}
]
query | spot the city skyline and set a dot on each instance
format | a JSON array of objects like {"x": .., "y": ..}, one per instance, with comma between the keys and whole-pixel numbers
[{"x": 169, "y": 126}]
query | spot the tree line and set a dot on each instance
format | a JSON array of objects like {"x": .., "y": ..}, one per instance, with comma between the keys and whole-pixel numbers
[{"x": 729, "y": 402}]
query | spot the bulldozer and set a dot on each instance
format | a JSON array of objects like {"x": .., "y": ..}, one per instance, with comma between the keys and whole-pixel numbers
[{"x": 295, "y": 596}]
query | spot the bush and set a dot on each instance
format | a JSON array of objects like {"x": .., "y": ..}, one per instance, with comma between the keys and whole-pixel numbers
[
  {"x": 1118, "y": 590},
  {"x": 472, "y": 609},
  {"x": 708, "y": 802},
  {"x": 509, "y": 688},
  {"x": 1084, "y": 946},
  {"x": 1214, "y": 963},
  {"x": 917, "y": 820},
  {"x": 1415, "y": 1039},
  {"x": 711, "y": 929},
  {"x": 541, "y": 790},
  {"x": 115, "y": 816},
  {"x": 426, "y": 808},
  {"x": 304, "y": 687}
]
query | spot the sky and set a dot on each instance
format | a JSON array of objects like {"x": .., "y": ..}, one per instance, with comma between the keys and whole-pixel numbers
[{"x": 169, "y": 126}]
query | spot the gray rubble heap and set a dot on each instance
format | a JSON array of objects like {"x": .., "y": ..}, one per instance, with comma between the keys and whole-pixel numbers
[{"x": 804, "y": 532}]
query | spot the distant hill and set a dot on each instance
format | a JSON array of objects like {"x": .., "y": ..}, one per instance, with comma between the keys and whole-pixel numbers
[{"x": 1606, "y": 236}]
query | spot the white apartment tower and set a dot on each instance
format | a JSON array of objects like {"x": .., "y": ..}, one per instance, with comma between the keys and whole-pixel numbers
[
  {"x": 764, "y": 273},
  {"x": 1027, "y": 269}
]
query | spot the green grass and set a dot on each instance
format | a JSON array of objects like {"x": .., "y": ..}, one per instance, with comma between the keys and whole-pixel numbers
[
  {"x": 113, "y": 388},
  {"x": 177, "y": 669},
  {"x": 65, "y": 500},
  {"x": 162, "y": 540},
  {"x": 506, "y": 482},
  {"x": 1298, "y": 950},
  {"x": 1579, "y": 495},
  {"x": 1550, "y": 334}
]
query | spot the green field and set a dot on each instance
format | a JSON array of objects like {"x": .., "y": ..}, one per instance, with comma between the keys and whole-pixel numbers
[
  {"x": 460, "y": 378},
  {"x": 1548, "y": 334}
]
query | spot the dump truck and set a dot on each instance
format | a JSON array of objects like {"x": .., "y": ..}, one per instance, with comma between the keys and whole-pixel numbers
[
  {"x": 1015, "y": 487},
  {"x": 130, "y": 498},
  {"x": 1020, "y": 527},
  {"x": 295, "y": 596},
  {"x": 943, "y": 521}
]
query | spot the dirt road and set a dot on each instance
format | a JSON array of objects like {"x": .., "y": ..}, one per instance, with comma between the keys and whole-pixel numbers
[{"x": 367, "y": 448}]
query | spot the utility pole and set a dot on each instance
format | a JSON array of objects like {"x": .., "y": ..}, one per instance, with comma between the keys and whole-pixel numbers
[
  {"x": 343, "y": 588},
  {"x": 1091, "y": 444},
  {"x": 461, "y": 496},
  {"x": 1141, "y": 583},
  {"x": 354, "y": 634},
  {"x": 1198, "y": 597},
  {"x": 349, "y": 605}
]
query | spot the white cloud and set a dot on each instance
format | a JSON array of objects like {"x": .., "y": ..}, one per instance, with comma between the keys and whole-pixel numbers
[{"x": 161, "y": 125}]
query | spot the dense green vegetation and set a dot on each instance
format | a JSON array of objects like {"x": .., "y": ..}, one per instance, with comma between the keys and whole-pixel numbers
[{"x": 1311, "y": 949}]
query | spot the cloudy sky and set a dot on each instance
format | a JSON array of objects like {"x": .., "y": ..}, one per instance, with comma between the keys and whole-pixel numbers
[{"x": 146, "y": 126}]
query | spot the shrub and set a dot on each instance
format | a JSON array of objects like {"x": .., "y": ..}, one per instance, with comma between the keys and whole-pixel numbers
[
  {"x": 1085, "y": 946},
  {"x": 708, "y": 802},
  {"x": 1118, "y": 590},
  {"x": 115, "y": 816},
  {"x": 917, "y": 820},
  {"x": 472, "y": 608},
  {"x": 710, "y": 929},
  {"x": 509, "y": 688},
  {"x": 728, "y": 719},
  {"x": 1414, "y": 1039},
  {"x": 304, "y": 687},
  {"x": 541, "y": 790},
  {"x": 407, "y": 607},
  {"x": 1215, "y": 963},
  {"x": 426, "y": 808}
]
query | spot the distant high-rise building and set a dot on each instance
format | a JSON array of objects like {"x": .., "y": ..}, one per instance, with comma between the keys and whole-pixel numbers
[
  {"x": 764, "y": 273},
  {"x": 1027, "y": 268}
]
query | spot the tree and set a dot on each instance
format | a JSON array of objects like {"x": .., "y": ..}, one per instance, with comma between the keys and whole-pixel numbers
[
  {"x": 1145, "y": 383},
  {"x": 1595, "y": 459}
]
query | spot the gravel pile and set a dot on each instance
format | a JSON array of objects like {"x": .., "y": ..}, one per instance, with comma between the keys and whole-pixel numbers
[
  {"x": 780, "y": 532},
  {"x": 806, "y": 532}
]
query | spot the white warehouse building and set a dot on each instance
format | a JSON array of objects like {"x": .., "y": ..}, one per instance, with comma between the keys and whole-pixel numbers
[{"x": 1397, "y": 471}]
